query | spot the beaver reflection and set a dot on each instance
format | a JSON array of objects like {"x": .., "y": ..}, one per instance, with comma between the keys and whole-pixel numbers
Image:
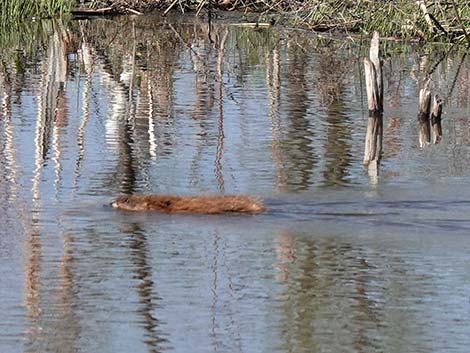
[{"x": 189, "y": 204}]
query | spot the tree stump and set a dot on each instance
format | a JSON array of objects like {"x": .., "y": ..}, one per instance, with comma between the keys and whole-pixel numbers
[
  {"x": 436, "y": 113},
  {"x": 374, "y": 87},
  {"x": 423, "y": 114}
]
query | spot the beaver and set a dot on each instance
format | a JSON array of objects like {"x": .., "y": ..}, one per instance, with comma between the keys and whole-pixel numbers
[{"x": 189, "y": 204}]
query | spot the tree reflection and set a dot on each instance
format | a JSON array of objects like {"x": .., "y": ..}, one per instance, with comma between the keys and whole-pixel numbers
[
  {"x": 148, "y": 300},
  {"x": 336, "y": 295},
  {"x": 299, "y": 154},
  {"x": 332, "y": 71}
]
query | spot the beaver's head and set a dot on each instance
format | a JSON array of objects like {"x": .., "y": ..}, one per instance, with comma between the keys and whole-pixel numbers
[
  {"x": 257, "y": 207},
  {"x": 129, "y": 203}
]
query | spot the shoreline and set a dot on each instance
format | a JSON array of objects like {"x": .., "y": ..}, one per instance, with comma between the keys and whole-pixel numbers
[{"x": 400, "y": 20}]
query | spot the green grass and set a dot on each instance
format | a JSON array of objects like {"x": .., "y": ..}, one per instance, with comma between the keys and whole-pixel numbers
[{"x": 12, "y": 11}]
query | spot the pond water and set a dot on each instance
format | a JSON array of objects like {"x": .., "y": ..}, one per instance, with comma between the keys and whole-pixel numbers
[{"x": 341, "y": 262}]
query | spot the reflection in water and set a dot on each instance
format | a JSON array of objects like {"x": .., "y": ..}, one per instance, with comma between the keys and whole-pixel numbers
[
  {"x": 86, "y": 58},
  {"x": 225, "y": 328},
  {"x": 220, "y": 124},
  {"x": 138, "y": 105},
  {"x": 273, "y": 77},
  {"x": 9, "y": 166},
  {"x": 338, "y": 156},
  {"x": 47, "y": 311},
  {"x": 335, "y": 297},
  {"x": 139, "y": 254},
  {"x": 204, "y": 97},
  {"x": 286, "y": 255},
  {"x": 300, "y": 157},
  {"x": 69, "y": 321},
  {"x": 32, "y": 289}
]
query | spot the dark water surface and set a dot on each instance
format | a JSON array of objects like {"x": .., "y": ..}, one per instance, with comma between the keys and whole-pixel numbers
[{"x": 341, "y": 262}]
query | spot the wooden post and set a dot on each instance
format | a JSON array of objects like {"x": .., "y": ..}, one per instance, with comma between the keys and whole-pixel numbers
[
  {"x": 374, "y": 87},
  {"x": 423, "y": 114},
  {"x": 436, "y": 113}
]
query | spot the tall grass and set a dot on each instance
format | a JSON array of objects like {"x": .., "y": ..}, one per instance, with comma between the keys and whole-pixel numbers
[
  {"x": 397, "y": 18},
  {"x": 12, "y": 11}
]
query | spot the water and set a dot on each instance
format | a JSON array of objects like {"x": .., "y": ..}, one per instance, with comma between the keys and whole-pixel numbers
[{"x": 341, "y": 262}]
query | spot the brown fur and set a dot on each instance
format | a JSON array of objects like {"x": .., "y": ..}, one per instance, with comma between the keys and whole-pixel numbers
[{"x": 189, "y": 204}]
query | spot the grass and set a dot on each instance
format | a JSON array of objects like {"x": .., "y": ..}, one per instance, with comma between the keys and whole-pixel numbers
[
  {"x": 399, "y": 18},
  {"x": 12, "y": 11}
]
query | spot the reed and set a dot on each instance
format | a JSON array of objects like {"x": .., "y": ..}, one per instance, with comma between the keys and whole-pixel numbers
[
  {"x": 427, "y": 20},
  {"x": 17, "y": 10}
]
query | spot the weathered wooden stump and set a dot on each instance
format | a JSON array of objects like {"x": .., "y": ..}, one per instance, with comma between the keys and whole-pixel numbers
[
  {"x": 374, "y": 87},
  {"x": 423, "y": 114},
  {"x": 436, "y": 113}
]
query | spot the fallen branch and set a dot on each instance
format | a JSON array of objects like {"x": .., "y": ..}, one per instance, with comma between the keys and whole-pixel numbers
[
  {"x": 170, "y": 7},
  {"x": 135, "y": 12},
  {"x": 92, "y": 12}
]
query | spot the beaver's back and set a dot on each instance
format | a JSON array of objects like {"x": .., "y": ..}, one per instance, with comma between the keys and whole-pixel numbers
[{"x": 189, "y": 204}]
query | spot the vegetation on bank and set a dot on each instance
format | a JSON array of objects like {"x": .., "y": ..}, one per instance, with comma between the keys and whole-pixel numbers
[
  {"x": 439, "y": 20},
  {"x": 16, "y": 10}
]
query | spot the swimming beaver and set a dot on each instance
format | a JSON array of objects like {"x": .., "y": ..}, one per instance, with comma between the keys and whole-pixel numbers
[{"x": 189, "y": 204}]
